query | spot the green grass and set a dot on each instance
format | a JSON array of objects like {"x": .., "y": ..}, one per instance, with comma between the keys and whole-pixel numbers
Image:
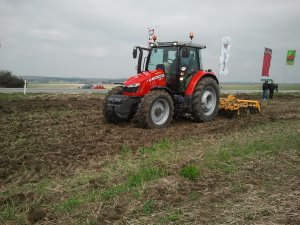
[
  {"x": 70, "y": 204},
  {"x": 159, "y": 146},
  {"x": 134, "y": 181},
  {"x": 53, "y": 85},
  {"x": 191, "y": 172},
  {"x": 10, "y": 213},
  {"x": 114, "y": 191},
  {"x": 144, "y": 175},
  {"x": 15, "y": 96},
  {"x": 240, "y": 87},
  {"x": 149, "y": 206},
  {"x": 289, "y": 87},
  {"x": 257, "y": 87},
  {"x": 171, "y": 217},
  {"x": 39, "y": 188},
  {"x": 233, "y": 151}
]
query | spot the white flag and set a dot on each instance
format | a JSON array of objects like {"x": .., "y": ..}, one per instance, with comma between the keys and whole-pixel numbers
[
  {"x": 151, "y": 34},
  {"x": 225, "y": 49}
]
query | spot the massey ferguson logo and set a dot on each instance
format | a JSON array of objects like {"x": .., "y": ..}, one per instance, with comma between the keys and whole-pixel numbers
[{"x": 161, "y": 76}]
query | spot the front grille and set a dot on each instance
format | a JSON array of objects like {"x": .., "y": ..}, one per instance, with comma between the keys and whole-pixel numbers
[{"x": 130, "y": 89}]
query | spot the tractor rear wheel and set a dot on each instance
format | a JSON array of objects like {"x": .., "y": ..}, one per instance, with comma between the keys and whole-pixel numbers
[
  {"x": 205, "y": 100},
  {"x": 111, "y": 116},
  {"x": 155, "y": 110}
]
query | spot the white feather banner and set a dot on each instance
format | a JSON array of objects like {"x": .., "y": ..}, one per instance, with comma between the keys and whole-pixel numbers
[{"x": 225, "y": 49}]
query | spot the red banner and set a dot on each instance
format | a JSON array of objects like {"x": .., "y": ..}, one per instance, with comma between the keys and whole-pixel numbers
[{"x": 266, "y": 62}]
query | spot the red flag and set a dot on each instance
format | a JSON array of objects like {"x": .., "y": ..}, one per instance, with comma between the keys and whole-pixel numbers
[{"x": 267, "y": 62}]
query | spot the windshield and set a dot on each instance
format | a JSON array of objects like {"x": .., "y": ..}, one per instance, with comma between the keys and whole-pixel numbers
[{"x": 162, "y": 56}]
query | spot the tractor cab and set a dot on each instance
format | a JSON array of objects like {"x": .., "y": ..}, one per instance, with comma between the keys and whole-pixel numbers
[{"x": 179, "y": 61}]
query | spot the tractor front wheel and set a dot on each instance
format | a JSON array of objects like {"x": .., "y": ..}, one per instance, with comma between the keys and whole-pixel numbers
[
  {"x": 111, "y": 116},
  {"x": 155, "y": 110},
  {"x": 205, "y": 100}
]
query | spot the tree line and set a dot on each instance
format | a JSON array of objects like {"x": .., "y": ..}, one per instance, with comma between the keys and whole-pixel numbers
[{"x": 8, "y": 80}]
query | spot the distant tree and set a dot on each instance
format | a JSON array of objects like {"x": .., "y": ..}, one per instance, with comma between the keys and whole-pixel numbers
[{"x": 8, "y": 80}]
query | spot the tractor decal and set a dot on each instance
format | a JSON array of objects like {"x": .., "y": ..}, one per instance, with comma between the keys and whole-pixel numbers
[{"x": 161, "y": 76}]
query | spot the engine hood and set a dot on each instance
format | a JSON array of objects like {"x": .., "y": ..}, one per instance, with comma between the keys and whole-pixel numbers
[
  {"x": 142, "y": 83},
  {"x": 143, "y": 77}
]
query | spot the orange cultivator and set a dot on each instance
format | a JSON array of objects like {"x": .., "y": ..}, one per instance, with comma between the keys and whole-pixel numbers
[{"x": 233, "y": 105}]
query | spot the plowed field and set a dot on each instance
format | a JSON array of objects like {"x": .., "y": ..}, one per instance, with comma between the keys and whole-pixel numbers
[{"x": 53, "y": 136}]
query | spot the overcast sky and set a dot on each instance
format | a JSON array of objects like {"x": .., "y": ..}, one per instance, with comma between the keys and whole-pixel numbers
[{"x": 94, "y": 38}]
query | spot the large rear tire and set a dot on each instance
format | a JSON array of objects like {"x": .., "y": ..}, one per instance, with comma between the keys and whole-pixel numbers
[
  {"x": 155, "y": 110},
  {"x": 205, "y": 100},
  {"x": 111, "y": 116}
]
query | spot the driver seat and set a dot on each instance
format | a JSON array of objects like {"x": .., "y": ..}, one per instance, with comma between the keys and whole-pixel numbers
[{"x": 161, "y": 66}]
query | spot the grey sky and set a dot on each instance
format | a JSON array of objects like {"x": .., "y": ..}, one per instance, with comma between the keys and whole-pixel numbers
[{"x": 94, "y": 38}]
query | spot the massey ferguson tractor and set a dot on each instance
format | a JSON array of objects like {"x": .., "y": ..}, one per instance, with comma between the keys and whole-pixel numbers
[{"x": 170, "y": 83}]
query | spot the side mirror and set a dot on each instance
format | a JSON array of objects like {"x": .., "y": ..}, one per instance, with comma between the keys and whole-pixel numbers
[
  {"x": 185, "y": 52},
  {"x": 134, "y": 53}
]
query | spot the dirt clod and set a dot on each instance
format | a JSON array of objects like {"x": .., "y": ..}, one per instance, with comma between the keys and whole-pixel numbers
[{"x": 35, "y": 214}]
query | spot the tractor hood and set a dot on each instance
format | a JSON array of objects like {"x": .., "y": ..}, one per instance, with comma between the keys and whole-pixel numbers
[
  {"x": 143, "y": 77},
  {"x": 143, "y": 82}
]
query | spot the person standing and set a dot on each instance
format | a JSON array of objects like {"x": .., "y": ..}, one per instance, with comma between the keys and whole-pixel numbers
[
  {"x": 276, "y": 87},
  {"x": 265, "y": 88},
  {"x": 271, "y": 88}
]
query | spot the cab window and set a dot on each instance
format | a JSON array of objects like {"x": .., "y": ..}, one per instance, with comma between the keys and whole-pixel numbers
[
  {"x": 191, "y": 62},
  {"x": 162, "y": 56}
]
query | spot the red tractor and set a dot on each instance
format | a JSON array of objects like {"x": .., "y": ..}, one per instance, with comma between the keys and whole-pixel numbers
[{"x": 170, "y": 82}]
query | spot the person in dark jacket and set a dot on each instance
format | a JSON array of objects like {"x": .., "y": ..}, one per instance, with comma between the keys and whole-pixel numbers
[
  {"x": 271, "y": 88},
  {"x": 276, "y": 87},
  {"x": 265, "y": 88}
]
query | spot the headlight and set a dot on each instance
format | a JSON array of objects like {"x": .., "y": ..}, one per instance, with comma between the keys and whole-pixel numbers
[
  {"x": 183, "y": 68},
  {"x": 133, "y": 85}
]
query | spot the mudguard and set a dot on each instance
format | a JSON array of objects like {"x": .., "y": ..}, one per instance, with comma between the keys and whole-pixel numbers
[{"x": 196, "y": 78}]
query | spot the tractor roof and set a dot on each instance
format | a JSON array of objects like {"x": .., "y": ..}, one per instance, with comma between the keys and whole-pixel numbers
[{"x": 178, "y": 43}]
